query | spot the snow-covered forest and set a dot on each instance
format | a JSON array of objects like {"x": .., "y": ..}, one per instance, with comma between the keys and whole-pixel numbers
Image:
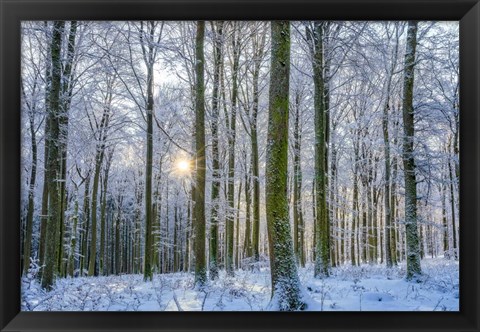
[{"x": 227, "y": 165}]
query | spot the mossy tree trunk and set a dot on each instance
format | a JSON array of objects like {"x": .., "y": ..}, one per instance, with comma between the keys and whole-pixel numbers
[
  {"x": 412, "y": 240},
  {"x": 150, "y": 34},
  {"x": 199, "y": 209},
  {"x": 286, "y": 294},
  {"x": 326, "y": 26},
  {"x": 53, "y": 169},
  {"x": 44, "y": 213},
  {"x": 322, "y": 236},
  {"x": 65, "y": 100}
]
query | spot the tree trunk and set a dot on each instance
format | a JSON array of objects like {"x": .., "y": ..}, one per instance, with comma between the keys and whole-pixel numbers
[
  {"x": 355, "y": 209},
  {"x": 73, "y": 237},
  {"x": 135, "y": 250},
  {"x": 326, "y": 119},
  {"x": 148, "y": 271},
  {"x": 371, "y": 243},
  {"x": 393, "y": 205},
  {"x": 255, "y": 169},
  {"x": 53, "y": 169},
  {"x": 218, "y": 60},
  {"x": 117, "y": 228},
  {"x": 66, "y": 97},
  {"x": 156, "y": 219},
  {"x": 200, "y": 266},
  {"x": 189, "y": 232},
  {"x": 103, "y": 215},
  {"x": 33, "y": 174},
  {"x": 334, "y": 192},
  {"x": 175, "y": 237},
  {"x": 229, "y": 263},
  {"x": 446, "y": 237},
  {"x": 286, "y": 294},
  {"x": 322, "y": 238},
  {"x": 413, "y": 247},
  {"x": 247, "y": 243},
  {"x": 93, "y": 210},
  {"x": 237, "y": 228},
  {"x": 44, "y": 213},
  {"x": 298, "y": 228},
  {"x": 387, "y": 196},
  {"x": 85, "y": 225},
  {"x": 452, "y": 205},
  {"x": 100, "y": 152}
]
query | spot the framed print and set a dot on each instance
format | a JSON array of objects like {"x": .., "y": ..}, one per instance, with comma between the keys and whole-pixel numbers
[{"x": 268, "y": 165}]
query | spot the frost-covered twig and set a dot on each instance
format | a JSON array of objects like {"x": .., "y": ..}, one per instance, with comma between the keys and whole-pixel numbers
[
  {"x": 204, "y": 299},
  {"x": 176, "y": 302},
  {"x": 438, "y": 303}
]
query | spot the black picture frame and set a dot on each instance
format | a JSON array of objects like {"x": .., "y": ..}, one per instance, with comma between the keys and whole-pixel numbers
[{"x": 14, "y": 11}]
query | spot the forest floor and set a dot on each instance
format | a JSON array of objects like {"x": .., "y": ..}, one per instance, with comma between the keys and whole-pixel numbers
[{"x": 361, "y": 288}]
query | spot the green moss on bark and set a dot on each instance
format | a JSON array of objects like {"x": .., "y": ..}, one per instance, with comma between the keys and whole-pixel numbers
[{"x": 286, "y": 294}]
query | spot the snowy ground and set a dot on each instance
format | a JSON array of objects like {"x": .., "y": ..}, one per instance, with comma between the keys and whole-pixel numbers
[{"x": 364, "y": 288}]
